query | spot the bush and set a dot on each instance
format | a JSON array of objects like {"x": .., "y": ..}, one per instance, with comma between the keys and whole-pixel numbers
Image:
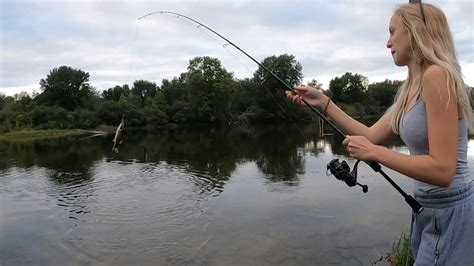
[
  {"x": 50, "y": 117},
  {"x": 84, "y": 119},
  {"x": 5, "y": 127},
  {"x": 154, "y": 116}
]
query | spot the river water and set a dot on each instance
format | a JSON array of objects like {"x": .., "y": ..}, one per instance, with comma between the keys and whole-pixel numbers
[{"x": 201, "y": 196}]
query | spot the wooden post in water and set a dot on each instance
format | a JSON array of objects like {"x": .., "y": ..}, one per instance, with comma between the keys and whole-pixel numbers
[{"x": 321, "y": 129}]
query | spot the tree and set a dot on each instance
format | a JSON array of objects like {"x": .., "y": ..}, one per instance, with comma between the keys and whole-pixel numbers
[
  {"x": 49, "y": 117},
  {"x": 350, "y": 91},
  {"x": 144, "y": 89},
  {"x": 23, "y": 102},
  {"x": 2, "y": 101},
  {"x": 114, "y": 94},
  {"x": 174, "y": 93},
  {"x": 65, "y": 87},
  {"x": 270, "y": 95},
  {"x": 349, "y": 88},
  {"x": 210, "y": 89},
  {"x": 384, "y": 92},
  {"x": 245, "y": 95}
]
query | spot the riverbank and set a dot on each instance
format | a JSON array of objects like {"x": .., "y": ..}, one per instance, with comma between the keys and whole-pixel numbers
[{"x": 34, "y": 134}]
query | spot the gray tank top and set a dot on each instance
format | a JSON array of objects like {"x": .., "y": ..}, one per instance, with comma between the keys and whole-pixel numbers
[{"x": 414, "y": 133}]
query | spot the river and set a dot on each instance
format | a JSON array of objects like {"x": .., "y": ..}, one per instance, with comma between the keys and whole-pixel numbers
[{"x": 194, "y": 196}]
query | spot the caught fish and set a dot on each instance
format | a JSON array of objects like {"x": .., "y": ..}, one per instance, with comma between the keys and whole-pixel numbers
[{"x": 118, "y": 136}]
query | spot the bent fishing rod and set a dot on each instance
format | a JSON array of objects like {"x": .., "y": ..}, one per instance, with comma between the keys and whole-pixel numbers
[{"x": 340, "y": 170}]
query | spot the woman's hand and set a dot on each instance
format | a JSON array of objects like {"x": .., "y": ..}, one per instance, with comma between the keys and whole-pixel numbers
[
  {"x": 359, "y": 147},
  {"x": 311, "y": 95}
]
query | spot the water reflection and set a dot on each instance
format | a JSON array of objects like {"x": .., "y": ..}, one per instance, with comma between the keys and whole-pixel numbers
[{"x": 212, "y": 154}]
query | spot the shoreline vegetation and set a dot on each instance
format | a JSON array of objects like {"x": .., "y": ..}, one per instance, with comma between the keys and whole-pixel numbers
[
  {"x": 400, "y": 253},
  {"x": 206, "y": 94},
  {"x": 36, "y": 134}
]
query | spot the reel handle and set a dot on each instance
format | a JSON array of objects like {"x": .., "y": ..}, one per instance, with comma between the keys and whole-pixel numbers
[{"x": 365, "y": 188}]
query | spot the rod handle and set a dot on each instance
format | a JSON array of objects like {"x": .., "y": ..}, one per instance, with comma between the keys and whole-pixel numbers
[{"x": 415, "y": 205}]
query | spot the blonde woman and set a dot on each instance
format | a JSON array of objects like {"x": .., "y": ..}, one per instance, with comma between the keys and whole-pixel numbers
[{"x": 431, "y": 113}]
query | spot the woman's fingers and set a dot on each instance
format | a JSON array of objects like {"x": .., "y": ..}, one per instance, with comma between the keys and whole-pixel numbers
[
  {"x": 294, "y": 98},
  {"x": 345, "y": 142},
  {"x": 301, "y": 89}
]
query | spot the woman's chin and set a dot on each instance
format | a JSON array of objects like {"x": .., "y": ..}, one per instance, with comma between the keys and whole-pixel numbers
[{"x": 398, "y": 63}]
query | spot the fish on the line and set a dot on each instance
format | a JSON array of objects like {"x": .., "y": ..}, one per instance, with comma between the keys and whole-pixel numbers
[{"x": 118, "y": 136}]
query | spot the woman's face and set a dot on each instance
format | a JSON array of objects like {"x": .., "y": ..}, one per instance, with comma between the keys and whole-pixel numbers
[{"x": 399, "y": 42}]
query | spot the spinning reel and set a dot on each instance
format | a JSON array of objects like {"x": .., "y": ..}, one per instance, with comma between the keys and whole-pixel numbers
[{"x": 342, "y": 171}]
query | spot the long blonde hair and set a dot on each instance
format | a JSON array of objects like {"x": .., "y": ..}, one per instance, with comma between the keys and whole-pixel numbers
[{"x": 431, "y": 43}]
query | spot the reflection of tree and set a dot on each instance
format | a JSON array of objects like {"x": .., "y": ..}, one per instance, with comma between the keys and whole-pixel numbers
[
  {"x": 209, "y": 154},
  {"x": 68, "y": 161},
  {"x": 278, "y": 157},
  {"x": 215, "y": 152},
  {"x": 63, "y": 156}
]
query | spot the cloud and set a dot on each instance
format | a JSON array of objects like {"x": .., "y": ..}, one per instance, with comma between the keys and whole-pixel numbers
[{"x": 329, "y": 38}]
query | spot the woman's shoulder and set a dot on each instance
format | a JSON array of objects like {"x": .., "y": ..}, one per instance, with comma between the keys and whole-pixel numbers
[
  {"x": 433, "y": 74},
  {"x": 435, "y": 85}
]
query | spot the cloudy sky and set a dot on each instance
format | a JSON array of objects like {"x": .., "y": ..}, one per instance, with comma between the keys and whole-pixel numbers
[{"x": 106, "y": 39}]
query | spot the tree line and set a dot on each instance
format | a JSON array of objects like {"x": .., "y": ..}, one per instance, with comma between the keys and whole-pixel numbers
[{"x": 205, "y": 94}]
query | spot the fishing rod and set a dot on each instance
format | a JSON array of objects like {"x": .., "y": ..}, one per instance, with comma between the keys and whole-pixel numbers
[{"x": 340, "y": 170}]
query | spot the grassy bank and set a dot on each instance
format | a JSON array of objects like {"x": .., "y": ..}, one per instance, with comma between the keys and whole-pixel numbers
[
  {"x": 399, "y": 254},
  {"x": 34, "y": 134}
]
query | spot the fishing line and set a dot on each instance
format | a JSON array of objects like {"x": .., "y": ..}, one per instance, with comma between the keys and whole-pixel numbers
[{"x": 133, "y": 52}]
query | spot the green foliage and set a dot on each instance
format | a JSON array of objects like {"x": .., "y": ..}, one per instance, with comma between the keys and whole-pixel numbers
[
  {"x": 358, "y": 98},
  {"x": 8, "y": 103},
  {"x": 245, "y": 96},
  {"x": 21, "y": 121},
  {"x": 114, "y": 94},
  {"x": 270, "y": 93},
  {"x": 110, "y": 112},
  {"x": 49, "y": 117},
  {"x": 210, "y": 90},
  {"x": 14, "y": 113},
  {"x": 384, "y": 92},
  {"x": 401, "y": 251},
  {"x": 144, "y": 89},
  {"x": 83, "y": 118},
  {"x": 65, "y": 87},
  {"x": 206, "y": 93},
  {"x": 349, "y": 88},
  {"x": 5, "y": 126},
  {"x": 2, "y": 101},
  {"x": 154, "y": 116},
  {"x": 400, "y": 254},
  {"x": 175, "y": 98}
]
